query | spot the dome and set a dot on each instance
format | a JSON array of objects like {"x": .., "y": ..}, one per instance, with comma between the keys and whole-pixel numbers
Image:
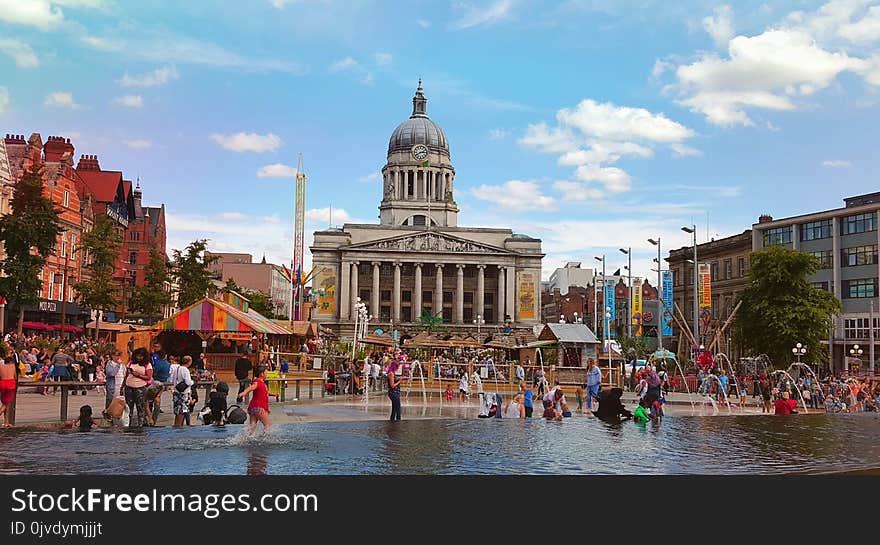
[{"x": 418, "y": 129}]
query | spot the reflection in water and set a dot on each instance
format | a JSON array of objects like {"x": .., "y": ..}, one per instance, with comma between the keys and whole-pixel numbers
[
  {"x": 256, "y": 463},
  {"x": 579, "y": 445}
]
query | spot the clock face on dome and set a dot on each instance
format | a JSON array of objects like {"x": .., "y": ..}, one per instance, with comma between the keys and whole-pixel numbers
[{"x": 419, "y": 152}]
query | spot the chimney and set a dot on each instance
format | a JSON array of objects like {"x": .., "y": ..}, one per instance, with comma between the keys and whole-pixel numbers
[
  {"x": 88, "y": 162},
  {"x": 765, "y": 218},
  {"x": 55, "y": 147}
]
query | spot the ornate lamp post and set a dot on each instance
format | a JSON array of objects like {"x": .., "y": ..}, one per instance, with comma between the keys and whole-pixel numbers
[
  {"x": 799, "y": 350},
  {"x": 856, "y": 352},
  {"x": 659, "y": 294},
  {"x": 479, "y": 322}
]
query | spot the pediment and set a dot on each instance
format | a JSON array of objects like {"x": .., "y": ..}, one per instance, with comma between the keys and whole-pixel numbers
[{"x": 430, "y": 242}]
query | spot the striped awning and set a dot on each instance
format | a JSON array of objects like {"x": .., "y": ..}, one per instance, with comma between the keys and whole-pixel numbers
[{"x": 213, "y": 315}]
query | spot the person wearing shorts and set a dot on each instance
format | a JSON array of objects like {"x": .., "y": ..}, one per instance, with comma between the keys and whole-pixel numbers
[
  {"x": 258, "y": 408},
  {"x": 8, "y": 384}
]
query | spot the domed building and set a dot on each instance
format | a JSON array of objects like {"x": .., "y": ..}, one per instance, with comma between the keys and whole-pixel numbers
[{"x": 418, "y": 260}]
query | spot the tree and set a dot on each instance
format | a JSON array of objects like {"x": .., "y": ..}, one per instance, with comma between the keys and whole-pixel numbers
[
  {"x": 634, "y": 348},
  {"x": 151, "y": 297},
  {"x": 193, "y": 279},
  {"x": 100, "y": 246},
  {"x": 29, "y": 234},
  {"x": 430, "y": 322},
  {"x": 781, "y": 308},
  {"x": 260, "y": 302},
  {"x": 231, "y": 286}
]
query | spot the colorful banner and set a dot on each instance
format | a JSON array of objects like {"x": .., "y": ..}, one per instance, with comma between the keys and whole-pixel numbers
[
  {"x": 325, "y": 285},
  {"x": 705, "y": 287},
  {"x": 637, "y": 306},
  {"x": 610, "y": 308},
  {"x": 525, "y": 293},
  {"x": 666, "y": 310}
]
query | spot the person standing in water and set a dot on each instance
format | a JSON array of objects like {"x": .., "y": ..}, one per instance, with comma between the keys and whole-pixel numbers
[
  {"x": 258, "y": 408},
  {"x": 394, "y": 389},
  {"x": 8, "y": 384}
]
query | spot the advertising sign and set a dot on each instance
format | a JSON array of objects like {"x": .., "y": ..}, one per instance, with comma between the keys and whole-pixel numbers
[
  {"x": 666, "y": 311},
  {"x": 611, "y": 308},
  {"x": 525, "y": 293},
  {"x": 325, "y": 282},
  {"x": 637, "y": 305},
  {"x": 705, "y": 286}
]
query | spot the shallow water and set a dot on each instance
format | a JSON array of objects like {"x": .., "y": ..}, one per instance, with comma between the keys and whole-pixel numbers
[{"x": 580, "y": 445}]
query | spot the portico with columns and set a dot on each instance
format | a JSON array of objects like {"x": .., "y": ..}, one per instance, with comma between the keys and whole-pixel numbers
[{"x": 417, "y": 259}]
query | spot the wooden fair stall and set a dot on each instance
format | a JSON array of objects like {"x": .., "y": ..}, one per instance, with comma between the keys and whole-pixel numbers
[{"x": 224, "y": 329}]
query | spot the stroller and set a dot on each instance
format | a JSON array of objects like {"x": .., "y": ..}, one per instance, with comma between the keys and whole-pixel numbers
[{"x": 214, "y": 411}]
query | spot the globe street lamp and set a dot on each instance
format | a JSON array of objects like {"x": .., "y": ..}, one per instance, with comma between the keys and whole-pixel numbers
[
  {"x": 856, "y": 352},
  {"x": 659, "y": 295},
  {"x": 577, "y": 318},
  {"x": 693, "y": 230},
  {"x": 562, "y": 318},
  {"x": 799, "y": 350},
  {"x": 479, "y": 322},
  {"x": 629, "y": 320}
]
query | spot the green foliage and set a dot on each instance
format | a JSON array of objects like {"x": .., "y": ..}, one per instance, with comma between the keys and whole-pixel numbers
[
  {"x": 101, "y": 245},
  {"x": 634, "y": 348},
  {"x": 780, "y": 307},
  {"x": 430, "y": 322},
  {"x": 151, "y": 297},
  {"x": 193, "y": 280},
  {"x": 231, "y": 286},
  {"x": 257, "y": 300},
  {"x": 28, "y": 235}
]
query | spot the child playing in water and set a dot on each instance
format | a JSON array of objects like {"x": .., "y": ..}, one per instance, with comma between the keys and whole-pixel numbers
[
  {"x": 450, "y": 395},
  {"x": 579, "y": 395},
  {"x": 640, "y": 416},
  {"x": 258, "y": 409},
  {"x": 85, "y": 422}
]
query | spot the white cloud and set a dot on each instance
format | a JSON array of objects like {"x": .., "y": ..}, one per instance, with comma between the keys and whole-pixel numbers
[
  {"x": 276, "y": 170},
  {"x": 60, "y": 100},
  {"x": 343, "y": 64},
  {"x": 234, "y": 216},
  {"x": 248, "y": 141},
  {"x": 488, "y": 14},
  {"x": 515, "y": 195},
  {"x": 138, "y": 144},
  {"x": 369, "y": 178},
  {"x": 714, "y": 191},
  {"x": 720, "y": 25},
  {"x": 131, "y": 101},
  {"x": 159, "y": 76},
  {"x": 4, "y": 99},
  {"x": 577, "y": 192},
  {"x": 684, "y": 151},
  {"x": 836, "y": 163},
  {"x": 36, "y": 13},
  {"x": 498, "y": 134},
  {"x": 383, "y": 58},
  {"x": 101, "y": 44},
  {"x": 593, "y": 136},
  {"x": 799, "y": 56},
  {"x": 323, "y": 215},
  {"x": 424, "y": 23},
  {"x": 20, "y": 52},
  {"x": 278, "y": 4}
]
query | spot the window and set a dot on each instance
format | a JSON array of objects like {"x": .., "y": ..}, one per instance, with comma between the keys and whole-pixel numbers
[
  {"x": 406, "y": 314},
  {"x": 857, "y": 328},
  {"x": 386, "y": 269},
  {"x": 419, "y": 220},
  {"x": 64, "y": 244},
  {"x": 859, "y": 255},
  {"x": 715, "y": 271},
  {"x": 676, "y": 277},
  {"x": 468, "y": 298},
  {"x": 816, "y": 230},
  {"x": 728, "y": 269},
  {"x": 428, "y": 270},
  {"x": 66, "y": 199},
  {"x": 406, "y": 296},
  {"x": 488, "y": 299},
  {"x": 447, "y": 297},
  {"x": 741, "y": 265},
  {"x": 777, "y": 236},
  {"x": 825, "y": 258},
  {"x": 132, "y": 257},
  {"x": 820, "y": 285},
  {"x": 860, "y": 289},
  {"x": 51, "y": 290},
  {"x": 427, "y": 298},
  {"x": 386, "y": 295},
  {"x": 859, "y": 223},
  {"x": 689, "y": 273}
]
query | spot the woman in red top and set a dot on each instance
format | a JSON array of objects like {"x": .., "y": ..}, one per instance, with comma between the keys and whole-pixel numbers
[
  {"x": 784, "y": 405},
  {"x": 258, "y": 409}
]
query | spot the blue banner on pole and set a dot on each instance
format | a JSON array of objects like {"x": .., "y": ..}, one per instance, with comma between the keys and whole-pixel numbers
[
  {"x": 610, "y": 308},
  {"x": 666, "y": 311}
]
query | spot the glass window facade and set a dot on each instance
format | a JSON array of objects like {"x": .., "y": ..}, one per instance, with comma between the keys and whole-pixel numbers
[
  {"x": 777, "y": 236},
  {"x": 859, "y": 255},
  {"x": 816, "y": 230},
  {"x": 826, "y": 257},
  {"x": 861, "y": 288},
  {"x": 859, "y": 223}
]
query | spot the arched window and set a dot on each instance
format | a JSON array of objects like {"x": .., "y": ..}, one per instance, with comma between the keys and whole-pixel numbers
[{"x": 419, "y": 220}]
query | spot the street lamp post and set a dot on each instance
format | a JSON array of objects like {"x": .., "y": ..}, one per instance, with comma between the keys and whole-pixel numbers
[
  {"x": 659, "y": 295},
  {"x": 799, "y": 350},
  {"x": 855, "y": 352},
  {"x": 479, "y": 322},
  {"x": 629, "y": 272},
  {"x": 693, "y": 230},
  {"x": 608, "y": 345}
]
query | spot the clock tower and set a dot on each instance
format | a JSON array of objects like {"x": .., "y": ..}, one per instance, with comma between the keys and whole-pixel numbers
[{"x": 418, "y": 177}]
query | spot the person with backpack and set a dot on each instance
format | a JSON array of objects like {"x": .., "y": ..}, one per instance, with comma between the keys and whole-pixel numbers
[
  {"x": 182, "y": 380},
  {"x": 243, "y": 368}
]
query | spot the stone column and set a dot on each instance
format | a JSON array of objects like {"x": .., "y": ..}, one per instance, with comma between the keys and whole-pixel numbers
[
  {"x": 395, "y": 295},
  {"x": 344, "y": 291},
  {"x": 459, "y": 294},
  {"x": 417, "y": 293},
  {"x": 374, "y": 295},
  {"x": 499, "y": 302},
  {"x": 795, "y": 237},
  {"x": 354, "y": 289},
  {"x": 438, "y": 290},
  {"x": 510, "y": 287},
  {"x": 481, "y": 289}
]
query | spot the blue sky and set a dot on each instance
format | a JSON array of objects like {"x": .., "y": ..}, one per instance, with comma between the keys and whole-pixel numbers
[{"x": 589, "y": 124}]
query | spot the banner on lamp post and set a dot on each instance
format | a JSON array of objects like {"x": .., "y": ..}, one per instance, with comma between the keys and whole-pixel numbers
[
  {"x": 610, "y": 305},
  {"x": 705, "y": 286},
  {"x": 637, "y": 305},
  {"x": 666, "y": 310}
]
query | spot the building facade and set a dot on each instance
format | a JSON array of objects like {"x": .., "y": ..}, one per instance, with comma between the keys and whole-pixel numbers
[
  {"x": 845, "y": 240},
  {"x": 263, "y": 277},
  {"x": 417, "y": 259},
  {"x": 572, "y": 275},
  {"x": 728, "y": 260}
]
